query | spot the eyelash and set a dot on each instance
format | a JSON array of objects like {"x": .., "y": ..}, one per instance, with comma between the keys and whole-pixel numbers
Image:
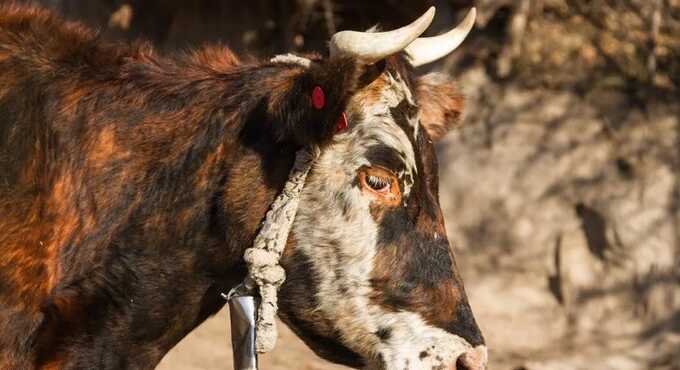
[{"x": 377, "y": 183}]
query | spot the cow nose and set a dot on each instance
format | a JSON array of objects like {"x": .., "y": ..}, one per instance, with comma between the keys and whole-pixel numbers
[{"x": 473, "y": 359}]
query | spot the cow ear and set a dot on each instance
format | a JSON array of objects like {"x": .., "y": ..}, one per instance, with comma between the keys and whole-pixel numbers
[
  {"x": 308, "y": 101},
  {"x": 441, "y": 105}
]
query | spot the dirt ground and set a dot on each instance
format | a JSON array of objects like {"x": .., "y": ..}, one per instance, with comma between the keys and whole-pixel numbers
[{"x": 209, "y": 348}]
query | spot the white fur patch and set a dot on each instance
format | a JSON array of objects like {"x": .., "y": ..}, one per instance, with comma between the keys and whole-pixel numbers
[{"x": 398, "y": 84}]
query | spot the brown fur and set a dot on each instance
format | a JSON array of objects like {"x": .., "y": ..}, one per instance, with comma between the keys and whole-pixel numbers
[
  {"x": 440, "y": 104},
  {"x": 129, "y": 180}
]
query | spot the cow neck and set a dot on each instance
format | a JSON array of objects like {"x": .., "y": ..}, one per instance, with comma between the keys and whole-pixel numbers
[{"x": 265, "y": 274}]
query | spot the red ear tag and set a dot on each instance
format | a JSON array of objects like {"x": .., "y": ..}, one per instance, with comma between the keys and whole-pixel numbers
[
  {"x": 318, "y": 98},
  {"x": 342, "y": 123}
]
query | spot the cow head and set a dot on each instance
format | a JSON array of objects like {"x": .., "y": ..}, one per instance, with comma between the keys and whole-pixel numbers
[{"x": 371, "y": 277}]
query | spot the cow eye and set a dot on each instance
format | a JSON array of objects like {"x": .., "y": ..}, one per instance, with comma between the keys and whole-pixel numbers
[
  {"x": 377, "y": 183},
  {"x": 380, "y": 184}
]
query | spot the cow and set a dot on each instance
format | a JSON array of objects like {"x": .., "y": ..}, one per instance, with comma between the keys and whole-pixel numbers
[{"x": 131, "y": 183}]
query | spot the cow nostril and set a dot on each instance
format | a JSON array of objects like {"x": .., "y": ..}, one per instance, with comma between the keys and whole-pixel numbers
[{"x": 473, "y": 359}]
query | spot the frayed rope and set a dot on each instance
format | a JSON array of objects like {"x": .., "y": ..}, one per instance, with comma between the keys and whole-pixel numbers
[{"x": 265, "y": 274}]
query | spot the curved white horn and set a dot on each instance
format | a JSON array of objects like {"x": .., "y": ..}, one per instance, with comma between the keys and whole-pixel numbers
[
  {"x": 371, "y": 47},
  {"x": 428, "y": 49}
]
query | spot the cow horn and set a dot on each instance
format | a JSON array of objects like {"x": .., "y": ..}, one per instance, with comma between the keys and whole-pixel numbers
[
  {"x": 371, "y": 47},
  {"x": 426, "y": 50}
]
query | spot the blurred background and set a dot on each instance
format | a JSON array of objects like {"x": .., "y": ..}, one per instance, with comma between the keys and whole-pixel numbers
[{"x": 561, "y": 191}]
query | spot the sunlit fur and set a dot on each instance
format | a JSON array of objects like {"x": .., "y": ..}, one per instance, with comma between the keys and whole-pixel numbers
[{"x": 131, "y": 183}]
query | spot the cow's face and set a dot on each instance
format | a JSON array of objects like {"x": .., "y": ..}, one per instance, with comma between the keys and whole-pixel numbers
[{"x": 371, "y": 277}]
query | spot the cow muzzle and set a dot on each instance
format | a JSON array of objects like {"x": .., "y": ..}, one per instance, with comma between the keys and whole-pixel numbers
[
  {"x": 433, "y": 356},
  {"x": 472, "y": 359}
]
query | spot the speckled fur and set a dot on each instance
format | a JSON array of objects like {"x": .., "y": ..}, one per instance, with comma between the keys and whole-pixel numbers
[{"x": 357, "y": 271}]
